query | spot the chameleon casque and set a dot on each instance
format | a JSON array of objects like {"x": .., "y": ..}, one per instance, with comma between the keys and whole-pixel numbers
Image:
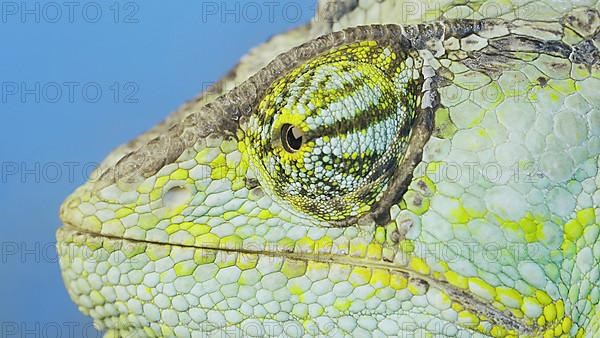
[{"x": 410, "y": 169}]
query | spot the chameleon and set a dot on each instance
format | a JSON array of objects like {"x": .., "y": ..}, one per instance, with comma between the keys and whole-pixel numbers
[{"x": 391, "y": 168}]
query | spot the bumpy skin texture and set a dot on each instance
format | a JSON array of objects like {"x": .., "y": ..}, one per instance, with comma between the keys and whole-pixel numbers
[{"x": 484, "y": 224}]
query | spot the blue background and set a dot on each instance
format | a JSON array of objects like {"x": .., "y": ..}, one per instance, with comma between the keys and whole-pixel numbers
[{"x": 169, "y": 52}]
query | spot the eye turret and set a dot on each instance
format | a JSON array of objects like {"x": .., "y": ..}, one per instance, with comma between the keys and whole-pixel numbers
[{"x": 328, "y": 136}]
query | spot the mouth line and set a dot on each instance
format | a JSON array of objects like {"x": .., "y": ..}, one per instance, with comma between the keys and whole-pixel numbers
[{"x": 464, "y": 297}]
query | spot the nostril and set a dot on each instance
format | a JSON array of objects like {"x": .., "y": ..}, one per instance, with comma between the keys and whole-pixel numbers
[{"x": 176, "y": 196}]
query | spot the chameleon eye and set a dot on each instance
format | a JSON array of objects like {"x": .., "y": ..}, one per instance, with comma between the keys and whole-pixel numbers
[
  {"x": 291, "y": 138},
  {"x": 332, "y": 135}
]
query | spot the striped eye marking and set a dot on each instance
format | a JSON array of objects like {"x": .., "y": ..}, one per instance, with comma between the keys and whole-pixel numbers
[{"x": 328, "y": 136}]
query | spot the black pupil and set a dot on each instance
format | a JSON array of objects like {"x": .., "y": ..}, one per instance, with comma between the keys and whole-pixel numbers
[{"x": 291, "y": 137}]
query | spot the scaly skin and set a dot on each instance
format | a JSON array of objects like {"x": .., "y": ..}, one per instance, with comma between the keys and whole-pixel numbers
[{"x": 441, "y": 179}]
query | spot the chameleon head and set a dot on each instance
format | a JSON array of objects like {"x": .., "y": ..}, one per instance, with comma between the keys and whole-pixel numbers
[{"x": 312, "y": 199}]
